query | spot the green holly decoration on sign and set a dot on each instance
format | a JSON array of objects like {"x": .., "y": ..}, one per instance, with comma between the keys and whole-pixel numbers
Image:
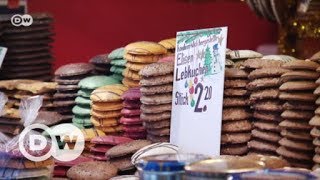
[{"x": 208, "y": 61}]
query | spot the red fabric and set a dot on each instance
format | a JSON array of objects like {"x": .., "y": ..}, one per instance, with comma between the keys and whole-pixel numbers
[
  {"x": 12, "y": 4},
  {"x": 87, "y": 28}
]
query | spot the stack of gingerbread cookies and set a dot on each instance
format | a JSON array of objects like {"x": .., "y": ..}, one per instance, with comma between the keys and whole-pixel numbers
[
  {"x": 236, "y": 122},
  {"x": 132, "y": 124},
  {"x": 156, "y": 98},
  {"x": 100, "y": 145},
  {"x": 118, "y": 64},
  {"x": 29, "y": 54},
  {"x": 101, "y": 64},
  {"x": 297, "y": 90},
  {"x": 138, "y": 55},
  {"x": 267, "y": 108},
  {"x": 107, "y": 100},
  {"x": 67, "y": 78},
  {"x": 315, "y": 123}
]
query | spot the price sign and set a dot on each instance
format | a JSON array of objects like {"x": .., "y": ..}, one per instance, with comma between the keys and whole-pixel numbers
[{"x": 198, "y": 90}]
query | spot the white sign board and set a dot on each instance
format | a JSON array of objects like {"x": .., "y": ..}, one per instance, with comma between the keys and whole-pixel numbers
[
  {"x": 3, "y": 51},
  {"x": 198, "y": 90}
]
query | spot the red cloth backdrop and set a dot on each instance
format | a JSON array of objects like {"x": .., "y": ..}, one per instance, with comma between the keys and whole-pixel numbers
[{"x": 87, "y": 28}]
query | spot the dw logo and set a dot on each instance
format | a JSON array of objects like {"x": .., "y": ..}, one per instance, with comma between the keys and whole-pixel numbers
[
  {"x": 24, "y": 20},
  {"x": 38, "y": 142}
]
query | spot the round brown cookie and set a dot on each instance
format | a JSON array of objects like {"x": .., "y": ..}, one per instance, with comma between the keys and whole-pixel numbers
[
  {"x": 315, "y": 121},
  {"x": 235, "y": 138},
  {"x": 156, "y": 99},
  {"x": 268, "y": 105},
  {"x": 130, "y": 83},
  {"x": 159, "y": 132},
  {"x": 23, "y": 94},
  {"x": 156, "y": 108},
  {"x": 107, "y": 106},
  {"x": 266, "y": 135},
  {"x": 156, "y": 80},
  {"x": 103, "y": 114},
  {"x": 150, "y": 90},
  {"x": 316, "y": 142},
  {"x": 92, "y": 170},
  {"x": 74, "y": 69},
  {"x": 131, "y": 74},
  {"x": 298, "y": 86},
  {"x": 294, "y": 105},
  {"x": 267, "y": 72},
  {"x": 298, "y": 96},
  {"x": 296, "y": 144},
  {"x": 289, "y": 153},
  {"x": 299, "y": 75},
  {"x": 263, "y": 83},
  {"x": 62, "y": 88},
  {"x": 262, "y": 145},
  {"x": 234, "y": 149},
  {"x": 59, "y": 95},
  {"x": 301, "y": 65},
  {"x": 142, "y": 59},
  {"x": 236, "y": 126},
  {"x": 264, "y": 94},
  {"x": 296, "y": 134},
  {"x": 123, "y": 163},
  {"x": 155, "y": 117},
  {"x": 235, "y": 92},
  {"x": 126, "y": 148},
  {"x": 297, "y": 114},
  {"x": 63, "y": 103},
  {"x": 238, "y": 83},
  {"x": 267, "y": 125},
  {"x": 30, "y": 35},
  {"x": 234, "y": 101},
  {"x": 157, "y": 124},
  {"x": 157, "y": 139},
  {"x": 261, "y": 63},
  {"x": 235, "y": 73},
  {"x": 230, "y": 114},
  {"x": 267, "y": 115},
  {"x": 157, "y": 69},
  {"x": 298, "y": 125},
  {"x": 135, "y": 66},
  {"x": 315, "y": 132}
]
